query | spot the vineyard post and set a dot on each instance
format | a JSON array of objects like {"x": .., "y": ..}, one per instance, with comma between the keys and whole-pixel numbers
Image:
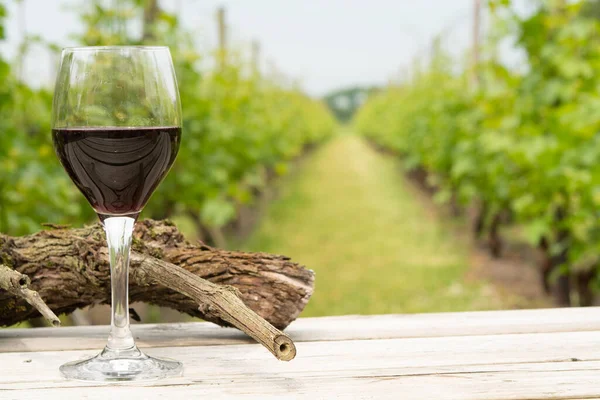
[
  {"x": 256, "y": 56},
  {"x": 222, "y": 32},
  {"x": 480, "y": 206},
  {"x": 476, "y": 39},
  {"x": 22, "y": 50},
  {"x": 436, "y": 45},
  {"x": 23, "y": 37},
  {"x": 151, "y": 12}
]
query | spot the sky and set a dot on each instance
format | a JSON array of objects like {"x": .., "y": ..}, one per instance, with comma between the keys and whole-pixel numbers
[{"x": 324, "y": 44}]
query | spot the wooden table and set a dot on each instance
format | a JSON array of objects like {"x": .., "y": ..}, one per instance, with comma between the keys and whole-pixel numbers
[{"x": 530, "y": 354}]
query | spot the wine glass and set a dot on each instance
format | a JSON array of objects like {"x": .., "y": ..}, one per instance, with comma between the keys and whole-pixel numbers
[{"x": 116, "y": 127}]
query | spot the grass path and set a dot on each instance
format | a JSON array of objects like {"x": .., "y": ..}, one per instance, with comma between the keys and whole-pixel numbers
[{"x": 348, "y": 214}]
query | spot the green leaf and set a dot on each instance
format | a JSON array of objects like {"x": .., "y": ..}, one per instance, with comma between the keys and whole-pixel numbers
[
  {"x": 217, "y": 212},
  {"x": 536, "y": 229}
]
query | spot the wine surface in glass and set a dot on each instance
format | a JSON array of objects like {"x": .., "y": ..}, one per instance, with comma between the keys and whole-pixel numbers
[{"x": 117, "y": 168}]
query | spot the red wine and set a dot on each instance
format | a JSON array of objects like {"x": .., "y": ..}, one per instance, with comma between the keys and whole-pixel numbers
[{"x": 117, "y": 169}]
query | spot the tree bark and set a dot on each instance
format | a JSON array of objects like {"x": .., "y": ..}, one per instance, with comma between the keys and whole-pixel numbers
[
  {"x": 479, "y": 220},
  {"x": 69, "y": 269},
  {"x": 494, "y": 239},
  {"x": 583, "y": 284},
  {"x": 562, "y": 288},
  {"x": 545, "y": 264}
]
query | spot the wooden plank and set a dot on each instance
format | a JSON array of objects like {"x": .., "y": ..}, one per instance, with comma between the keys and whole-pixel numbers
[
  {"x": 533, "y": 354},
  {"x": 316, "y": 329},
  {"x": 537, "y": 385},
  {"x": 469, "y": 364}
]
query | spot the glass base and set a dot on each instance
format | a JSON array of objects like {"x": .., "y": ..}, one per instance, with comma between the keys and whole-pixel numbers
[{"x": 121, "y": 365}]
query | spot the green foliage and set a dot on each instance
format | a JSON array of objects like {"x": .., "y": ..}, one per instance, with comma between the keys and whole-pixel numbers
[
  {"x": 238, "y": 127},
  {"x": 33, "y": 186},
  {"x": 373, "y": 245},
  {"x": 526, "y": 141}
]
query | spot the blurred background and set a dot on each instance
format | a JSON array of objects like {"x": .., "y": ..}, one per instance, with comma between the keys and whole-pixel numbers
[{"x": 418, "y": 156}]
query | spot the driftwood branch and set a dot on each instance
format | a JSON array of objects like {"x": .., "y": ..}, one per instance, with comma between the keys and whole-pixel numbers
[
  {"x": 69, "y": 270},
  {"x": 223, "y": 300},
  {"x": 18, "y": 284}
]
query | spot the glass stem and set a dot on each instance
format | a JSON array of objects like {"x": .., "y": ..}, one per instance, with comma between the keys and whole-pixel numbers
[{"x": 119, "y": 231}]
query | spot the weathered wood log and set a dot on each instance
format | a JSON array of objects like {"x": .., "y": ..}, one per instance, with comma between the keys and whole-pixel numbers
[{"x": 69, "y": 269}]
